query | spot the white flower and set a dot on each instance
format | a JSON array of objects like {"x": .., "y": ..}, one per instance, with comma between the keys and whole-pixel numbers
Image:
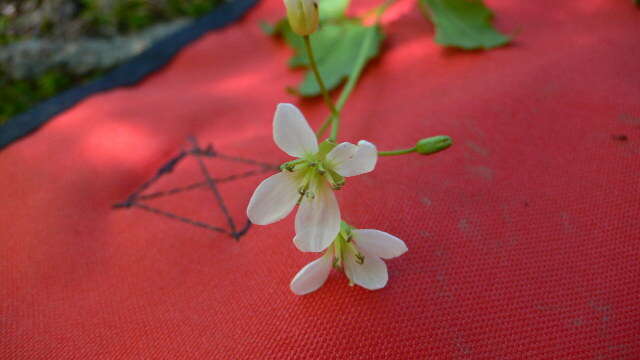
[
  {"x": 360, "y": 253},
  {"x": 308, "y": 180}
]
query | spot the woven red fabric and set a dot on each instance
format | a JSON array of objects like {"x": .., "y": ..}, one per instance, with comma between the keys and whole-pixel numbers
[{"x": 523, "y": 237}]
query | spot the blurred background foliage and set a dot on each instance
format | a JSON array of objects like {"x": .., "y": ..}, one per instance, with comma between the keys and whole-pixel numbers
[
  {"x": 48, "y": 46},
  {"x": 105, "y": 17}
]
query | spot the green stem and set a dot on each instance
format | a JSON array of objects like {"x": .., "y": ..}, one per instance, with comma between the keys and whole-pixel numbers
[
  {"x": 396, "y": 152},
  {"x": 316, "y": 72},
  {"x": 324, "y": 126},
  {"x": 361, "y": 61}
]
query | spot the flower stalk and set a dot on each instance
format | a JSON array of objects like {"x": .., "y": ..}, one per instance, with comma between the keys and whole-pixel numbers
[
  {"x": 396, "y": 152},
  {"x": 314, "y": 67},
  {"x": 361, "y": 61},
  {"x": 426, "y": 146}
]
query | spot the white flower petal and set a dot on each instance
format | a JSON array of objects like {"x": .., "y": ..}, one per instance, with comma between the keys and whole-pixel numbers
[
  {"x": 311, "y": 277},
  {"x": 372, "y": 274},
  {"x": 273, "y": 199},
  {"x": 341, "y": 153},
  {"x": 317, "y": 221},
  {"x": 292, "y": 133},
  {"x": 363, "y": 160},
  {"x": 379, "y": 243}
]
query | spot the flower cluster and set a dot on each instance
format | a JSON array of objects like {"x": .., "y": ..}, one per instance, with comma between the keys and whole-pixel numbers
[
  {"x": 309, "y": 181},
  {"x": 318, "y": 169}
]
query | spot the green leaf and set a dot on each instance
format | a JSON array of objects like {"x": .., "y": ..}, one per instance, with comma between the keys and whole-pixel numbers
[
  {"x": 335, "y": 46},
  {"x": 464, "y": 24},
  {"x": 332, "y": 9},
  {"x": 267, "y": 28}
]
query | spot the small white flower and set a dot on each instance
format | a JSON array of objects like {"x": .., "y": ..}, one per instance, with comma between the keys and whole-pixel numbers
[
  {"x": 308, "y": 181},
  {"x": 360, "y": 253}
]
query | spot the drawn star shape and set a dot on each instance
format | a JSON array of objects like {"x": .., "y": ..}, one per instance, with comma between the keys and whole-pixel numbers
[{"x": 138, "y": 199}]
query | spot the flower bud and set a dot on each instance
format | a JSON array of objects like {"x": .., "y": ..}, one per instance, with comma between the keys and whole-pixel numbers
[
  {"x": 303, "y": 16},
  {"x": 433, "y": 144}
]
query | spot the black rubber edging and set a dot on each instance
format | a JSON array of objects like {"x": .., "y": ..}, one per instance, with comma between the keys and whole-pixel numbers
[{"x": 126, "y": 74}]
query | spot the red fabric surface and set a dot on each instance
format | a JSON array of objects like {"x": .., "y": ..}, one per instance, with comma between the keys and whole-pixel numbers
[{"x": 523, "y": 237}]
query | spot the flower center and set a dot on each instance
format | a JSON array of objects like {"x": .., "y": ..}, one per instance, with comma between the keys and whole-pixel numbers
[
  {"x": 312, "y": 169},
  {"x": 343, "y": 244}
]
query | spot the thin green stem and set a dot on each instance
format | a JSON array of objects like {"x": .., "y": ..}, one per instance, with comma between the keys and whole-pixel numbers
[
  {"x": 396, "y": 152},
  {"x": 324, "y": 126},
  {"x": 361, "y": 61},
  {"x": 316, "y": 72}
]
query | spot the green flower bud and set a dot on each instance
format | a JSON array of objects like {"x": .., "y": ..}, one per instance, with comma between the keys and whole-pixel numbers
[
  {"x": 302, "y": 15},
  {"x": 433, "y": 144}
]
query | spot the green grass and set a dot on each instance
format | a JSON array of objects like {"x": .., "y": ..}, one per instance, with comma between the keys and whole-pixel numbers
[
  {"x": 17, "y": 96},
  {"x": 5, "y": 37},
  {"x": 128, "y": 16},
  {"x": 132, "y": 15}
]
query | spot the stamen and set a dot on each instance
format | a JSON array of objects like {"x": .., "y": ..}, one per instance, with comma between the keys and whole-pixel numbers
[
  {"x": 327, "y": 176},
  {"x": 338, "y": 184},
  {"x": 321, "y": 169},
  {"x": 352, "y": 247},
  {"x": 336, "y": 181},
  {"x": 291, "y": 165},
  {"x": 337, "y": 244},
  {"x": 304, "y": 187}
]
